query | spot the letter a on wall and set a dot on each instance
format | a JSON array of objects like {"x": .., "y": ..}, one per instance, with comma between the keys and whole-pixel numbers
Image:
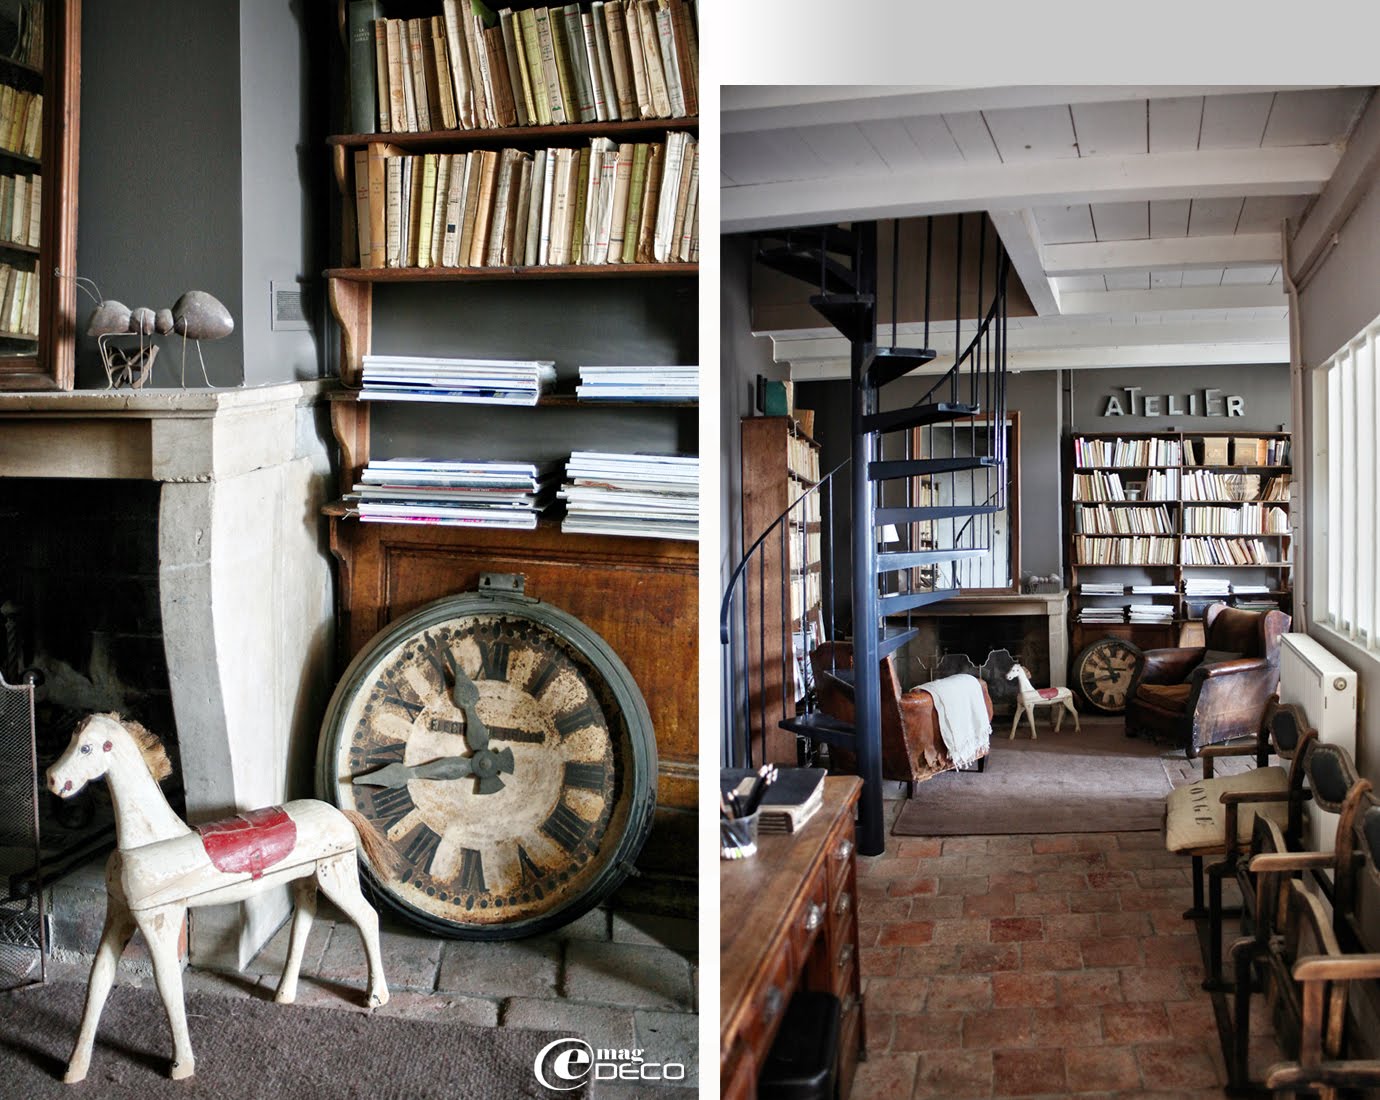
[{"x": 1113, "y": 408}]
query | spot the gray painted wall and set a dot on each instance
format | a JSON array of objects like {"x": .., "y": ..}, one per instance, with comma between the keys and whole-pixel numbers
[
  {"x": 196, "y": 168},
  {"x": 1264, "y": 391}
]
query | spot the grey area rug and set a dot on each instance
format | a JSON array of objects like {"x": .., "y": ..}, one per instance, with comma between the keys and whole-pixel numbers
[
  {"x": 1095, "y": 781},
  {"x": 255, "y": 1050}
]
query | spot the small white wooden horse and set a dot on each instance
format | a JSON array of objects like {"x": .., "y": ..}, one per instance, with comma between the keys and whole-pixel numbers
[
  {"x": 1029, "y": 697},
  {"x": 161, "y": 868}
]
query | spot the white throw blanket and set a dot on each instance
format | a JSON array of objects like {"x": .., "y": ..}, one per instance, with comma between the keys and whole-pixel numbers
[{"x": 963, "y": 721}]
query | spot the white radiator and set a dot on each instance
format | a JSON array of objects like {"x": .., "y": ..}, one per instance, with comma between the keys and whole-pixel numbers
[{"x": 1311, "y": 678}]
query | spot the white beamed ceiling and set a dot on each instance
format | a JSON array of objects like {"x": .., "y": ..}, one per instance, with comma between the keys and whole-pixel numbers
[{"x": 1153, "y": 215}]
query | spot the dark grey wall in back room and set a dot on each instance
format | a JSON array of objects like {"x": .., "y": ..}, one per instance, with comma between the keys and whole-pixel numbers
[{"x": 1263, "y": 391}]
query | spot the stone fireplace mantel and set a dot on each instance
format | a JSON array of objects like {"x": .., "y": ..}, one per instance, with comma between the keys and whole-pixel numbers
[{"x": 245, "y": 583}]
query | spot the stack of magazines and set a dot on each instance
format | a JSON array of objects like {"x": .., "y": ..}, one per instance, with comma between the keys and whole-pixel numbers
[
  {"x": 469, "y": 381},
  {"x": 455, "y": 493},
  {"x": 638, "y": 384},
  {"x": 644, "y": 495}
]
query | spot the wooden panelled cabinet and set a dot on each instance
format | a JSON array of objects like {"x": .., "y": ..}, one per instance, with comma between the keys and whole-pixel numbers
[
  {"x": 780, "y": 465},
  {"x": 639, "y": 594},
  {"x": 789, "y": 921}
]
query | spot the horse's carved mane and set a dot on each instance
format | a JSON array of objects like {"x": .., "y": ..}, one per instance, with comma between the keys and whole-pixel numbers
[{"x": 149, "y": 746}]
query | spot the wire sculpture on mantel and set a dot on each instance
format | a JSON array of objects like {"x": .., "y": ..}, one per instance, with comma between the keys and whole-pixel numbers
[{"x": 197, "y": 315}]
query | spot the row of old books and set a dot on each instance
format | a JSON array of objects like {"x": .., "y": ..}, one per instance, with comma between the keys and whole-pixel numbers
[
  {"x": 462, "y": 381},
  {"x": 602, "y": 204},
  {"x": 803, "y": 458},
  {"x": 21, "y": 121},
  {"x": 471, "y": 68},
  {"x": 454, "y": 493},
  {"x": 1221, "y": 450},
  {"x": 643, "y": 495},
  {"x": 21, "y": 208},
  {"x": 1206, "y": 485},
  {"x": 1101, "y": 520},
  {"x": 1149, "y": 550},
  {"x": 1247, "y": 519},
  {"x": 19, "y": 295},
  {"x": 1223, "y": 551},
  {"x": 655, "y": 384},
  {"x": 1127, "y": 452},
  {"x": 28, "y": 33}
]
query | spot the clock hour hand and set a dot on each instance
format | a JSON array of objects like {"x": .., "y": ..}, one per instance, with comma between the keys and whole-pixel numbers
[
  {"x": 466, "y": 697},
  {"x": 396, "y": 774}
]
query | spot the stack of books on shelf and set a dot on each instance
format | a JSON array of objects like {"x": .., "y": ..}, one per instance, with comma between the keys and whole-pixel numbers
[
  {"x": 1220, "y": 551},
  {"x": 28, "y": 48},
  {"x": 1152, "y": 613},
  {"x": 1254, "y": 597},
  {"x": 1098, "y": 487},
  {"x": 1102, "y": 614},
  {"x": 21, "y": 203},
  {"x": 464, "y": 381},
  {"x": 19, "y": 294},
  {"x": 21, "y": 122},
  {"x": 1103, "y": 588},
  {"x": 1197, "y": 588},
  {"x": 1277, "y": 488},
  {"x": 606, "y": 203},
  {"x": 643, "y": 495},
  {"x": 671, "y": 384},
  {"x": 471, "y": 68},
  {"x": 1248, "y": 519},
  {"x": 1162, "y": 485},
  {"x": 1250, "y": 451},
  {"x": 1102, "y": 520},
  {"x": 1127, "y": 452},
  {"x": 1153, "y": 590},
  {"x": 1132, "y": 551},
  {"x": 455, "y": 493}
]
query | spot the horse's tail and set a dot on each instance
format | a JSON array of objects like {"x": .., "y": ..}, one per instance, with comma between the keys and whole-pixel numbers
[{"x": 376, "y": 850}]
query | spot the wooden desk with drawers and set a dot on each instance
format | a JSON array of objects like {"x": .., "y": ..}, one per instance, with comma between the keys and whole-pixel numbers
[{"x": 788, "y": 921}]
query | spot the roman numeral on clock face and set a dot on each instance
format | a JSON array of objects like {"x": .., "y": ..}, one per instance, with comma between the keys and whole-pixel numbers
[
  {"x": 565, "y": 827},
  {"x": 391, "y": 805},
  {"x": 421, "y": 848},
  {"x": 587, "y": 715},
  {"x": 471, "y": 870},
  {"x": 378, "y": 756},
  {"x": 440, "y": 657},
  {"x": 589, "y": 776},
  {"x": 541, "y": 678},
  {"x": 493, "y": 659},
  {"x": 530, "y": 872},
  {"x": 394, "y": 694}
]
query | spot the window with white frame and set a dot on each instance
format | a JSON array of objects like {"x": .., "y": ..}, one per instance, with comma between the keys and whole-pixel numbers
[{"x": 1348, "y": 399}]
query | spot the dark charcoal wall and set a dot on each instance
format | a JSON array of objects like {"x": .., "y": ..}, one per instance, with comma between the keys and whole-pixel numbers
[{"x": 1264, "y": 389}]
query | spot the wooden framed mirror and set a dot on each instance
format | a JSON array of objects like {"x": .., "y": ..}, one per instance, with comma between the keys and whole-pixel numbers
[{"x": 40, "y": 101}]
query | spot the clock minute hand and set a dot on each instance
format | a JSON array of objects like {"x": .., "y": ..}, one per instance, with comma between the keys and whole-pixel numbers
[
  {"x": 466, "y": 697},
  {"x": 396, "y": 775}
]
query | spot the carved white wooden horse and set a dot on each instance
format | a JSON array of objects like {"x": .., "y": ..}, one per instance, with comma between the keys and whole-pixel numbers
[
  {"x": 1029, "y": 697},
  {"x": 161, "y": 868}
]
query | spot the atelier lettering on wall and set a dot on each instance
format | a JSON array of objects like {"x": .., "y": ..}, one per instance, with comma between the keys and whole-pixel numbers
[{"x": 1206, "y": 402}]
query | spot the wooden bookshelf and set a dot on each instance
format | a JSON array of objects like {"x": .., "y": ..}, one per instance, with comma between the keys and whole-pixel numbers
[
  {"x": 1273, "y": 572},
  {"x": 640, "y": 594}
]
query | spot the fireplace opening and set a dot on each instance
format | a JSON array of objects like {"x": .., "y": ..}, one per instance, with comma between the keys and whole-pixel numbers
[{"x": 79, "y": 605}]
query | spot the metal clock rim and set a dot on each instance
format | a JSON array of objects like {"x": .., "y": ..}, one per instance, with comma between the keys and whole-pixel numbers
[
  {"x": 1083, "y": 655},
  {"x": 615, "y": 674}
]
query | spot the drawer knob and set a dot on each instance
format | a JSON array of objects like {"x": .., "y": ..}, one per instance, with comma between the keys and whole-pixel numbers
[
  {"x": 814, "y": 916},
  {"x": 844, "y": 903},
  {"x": 845, "y": 848},
  {"x": 845, "y": 955},
  {"x": 771, "y": 1003}
]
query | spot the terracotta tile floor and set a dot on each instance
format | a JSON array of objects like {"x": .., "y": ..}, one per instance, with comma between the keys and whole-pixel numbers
[{"x": 1055, "y": 965}]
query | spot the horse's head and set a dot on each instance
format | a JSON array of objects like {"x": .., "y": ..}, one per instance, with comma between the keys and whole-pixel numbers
[
  {"x": 87, "y": 756},
  {"x": 1016, "y": 672}
]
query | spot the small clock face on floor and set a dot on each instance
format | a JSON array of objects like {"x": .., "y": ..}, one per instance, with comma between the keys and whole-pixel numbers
[
  {"x": 506, "y": 766},
  {"x": 1103, "y": 673}
]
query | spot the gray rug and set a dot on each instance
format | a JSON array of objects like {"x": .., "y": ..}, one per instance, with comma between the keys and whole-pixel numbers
[
  {"x": 1096, "y": 781},
  {"x": 247, "y": 1049}
]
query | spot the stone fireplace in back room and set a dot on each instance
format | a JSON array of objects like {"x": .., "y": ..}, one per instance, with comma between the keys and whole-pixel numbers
[{"x": 164, "y": 555}]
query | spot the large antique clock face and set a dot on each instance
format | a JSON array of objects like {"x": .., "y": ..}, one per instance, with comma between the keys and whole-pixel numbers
[
  {"x": 1103, "y": 673},
  {"x": 504, "y": 753}
]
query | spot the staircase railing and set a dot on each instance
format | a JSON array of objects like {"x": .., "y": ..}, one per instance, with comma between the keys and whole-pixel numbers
[{"x": 912, "y": 474}]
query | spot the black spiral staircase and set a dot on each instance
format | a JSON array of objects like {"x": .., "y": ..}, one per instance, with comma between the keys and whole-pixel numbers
[{"x": 889, "y": 460}]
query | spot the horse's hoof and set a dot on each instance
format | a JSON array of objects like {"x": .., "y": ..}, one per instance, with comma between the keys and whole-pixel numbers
[
  {"x": 74, "y": 1075},
  {"x": 182, "y": 1070},
  {"x": 378, "y": 999},
  {"x": 285, "y": 996}
]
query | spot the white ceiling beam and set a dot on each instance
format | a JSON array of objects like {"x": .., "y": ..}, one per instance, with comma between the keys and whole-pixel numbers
[
  {"x": 1354, "y": 176},
  {"x": 1109, "y": 257},
  {"x": 1168, "y": 299},
  {"x": 1225, "y": 173},
  {"x": 748, "y": 108},
  {"x": 1021, "y": 237},
  {"x": 787, "y": 348},
  {"x": 1096, "y": 358}
]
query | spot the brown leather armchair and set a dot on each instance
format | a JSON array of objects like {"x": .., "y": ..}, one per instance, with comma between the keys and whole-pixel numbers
[
  {"x": 1175, "y": 694},
  {"x": 913, "y": 749}
]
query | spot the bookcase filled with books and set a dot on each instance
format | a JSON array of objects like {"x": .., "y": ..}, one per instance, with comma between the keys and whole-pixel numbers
[
  {"x": 1163, "y": 524},
  {"x": 516, "y": 294}
]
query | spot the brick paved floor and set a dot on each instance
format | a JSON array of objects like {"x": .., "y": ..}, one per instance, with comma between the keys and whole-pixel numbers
[{"x": 1053, "y": 966}]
